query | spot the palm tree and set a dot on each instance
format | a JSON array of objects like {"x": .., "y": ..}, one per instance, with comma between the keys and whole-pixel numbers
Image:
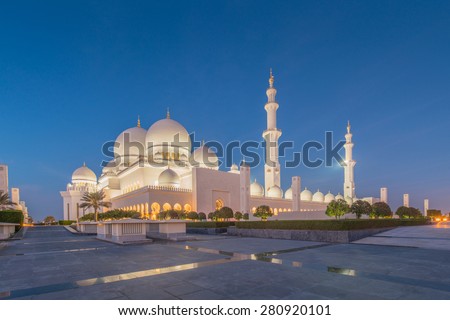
[
  {"x": 94, "y": 200},
  {"x": 5, "y": 202}
]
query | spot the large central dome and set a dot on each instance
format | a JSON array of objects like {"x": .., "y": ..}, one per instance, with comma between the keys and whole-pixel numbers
[{"x": 167, "y": 139}]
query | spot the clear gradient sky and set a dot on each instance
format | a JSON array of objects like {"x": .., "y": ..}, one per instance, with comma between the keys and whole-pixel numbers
[{"x": 74, "y": 74}]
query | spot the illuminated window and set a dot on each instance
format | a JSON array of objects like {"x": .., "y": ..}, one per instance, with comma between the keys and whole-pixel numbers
[{"x": 219, "y": 204}]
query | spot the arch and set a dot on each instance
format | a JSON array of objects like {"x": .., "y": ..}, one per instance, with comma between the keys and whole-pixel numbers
[
  {"x": 187, "y": 207},
  {"x": 167, "y": 206},
  {"x": 177, "y": 207},
  {"x": 253, "y": 209},
  {"x": 134, "y": 208},
  {"x": 219, "y": 204},
  {"x": 275, "y": 211},
  {"x": 155, "y": 207}
]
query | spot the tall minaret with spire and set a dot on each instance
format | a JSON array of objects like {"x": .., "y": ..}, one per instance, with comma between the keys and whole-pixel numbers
[
  {"x": 271, "y": 136},
  {"x": 349, "y": 181}
]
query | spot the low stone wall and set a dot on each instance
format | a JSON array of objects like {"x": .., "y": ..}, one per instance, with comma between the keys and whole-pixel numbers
[
  {"x": 206, "y": 230},
  {"x": 307, "y": 235}
]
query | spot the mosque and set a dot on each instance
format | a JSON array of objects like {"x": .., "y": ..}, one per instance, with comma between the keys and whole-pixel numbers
[{"x": 155, "y": 170}]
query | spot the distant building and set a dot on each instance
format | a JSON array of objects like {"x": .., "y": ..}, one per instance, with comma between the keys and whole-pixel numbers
[{"x": 4, "y": 178}]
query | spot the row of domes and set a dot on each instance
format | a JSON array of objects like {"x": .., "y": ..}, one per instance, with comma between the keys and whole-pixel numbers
[
  {"x": 257, "y": 190},
  {"x": 166, "y": 138}
]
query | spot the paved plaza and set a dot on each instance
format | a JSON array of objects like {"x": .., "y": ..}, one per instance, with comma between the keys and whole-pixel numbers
[{"x": 52, "y": 263}]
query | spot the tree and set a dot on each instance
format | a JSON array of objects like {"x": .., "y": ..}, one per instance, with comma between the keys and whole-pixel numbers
[
  {"x": 201, "y": 216},
  {"x": 263, "y": 212},
  {"x": 5, "y": 202},
  {"x": 361, "y": 207},
  {"x": 212, "y": 216},
  {"x": 381, "y": 210},
  {"x": 49, "y": 220},
  {"x": 94, "y": 200},
  {"x": 337, "y": 208},
  {"x": 434, "y": 213},
  {"x": 226, "y": 213},
  {"x": 192, "y": 215},
  {"x": 238, "y": 215},
  {"x": 415, "y": 213},
  {"x": 245, "y": 216},
  {"x": 403, "y": 212}
]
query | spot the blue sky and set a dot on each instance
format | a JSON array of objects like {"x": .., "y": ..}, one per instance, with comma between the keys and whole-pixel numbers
[{"x": 74, "y": 74}]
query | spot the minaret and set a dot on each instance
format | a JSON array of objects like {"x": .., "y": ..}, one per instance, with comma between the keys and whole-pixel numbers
[
  {"x": 349, "y": 181},
  {"x": 426, "y": 207},
  {"x": 271, "y": 136}
]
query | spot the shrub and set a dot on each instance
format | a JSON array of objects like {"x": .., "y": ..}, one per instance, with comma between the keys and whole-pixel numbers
[
  {"x": 245, "y": 216},
  {"x": 381, "y": 210},
  {"x": 192, "y": 215},
  {"x": 66, "y": 222},
  {"x": 263, "y": 212},
  {"x": 346, "y": 224},
  {"x": 238, "y": 215},
  {"x": 201, "y": 216},
  {"x": 211, "y": 216},
  {"x": 226, "y": 213}
]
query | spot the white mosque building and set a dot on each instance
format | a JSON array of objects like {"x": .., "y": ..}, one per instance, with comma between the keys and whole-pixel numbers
[{"x": 167, "y": 175}]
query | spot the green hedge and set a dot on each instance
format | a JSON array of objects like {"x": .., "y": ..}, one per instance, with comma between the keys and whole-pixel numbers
[
  {"x": 66, "y": 222},
  {"x": 115, "y": 214},
  {"x": 210, "y": 224},
  {"x": 11, "y": 216},
  {"x": 331, "y": 224}
]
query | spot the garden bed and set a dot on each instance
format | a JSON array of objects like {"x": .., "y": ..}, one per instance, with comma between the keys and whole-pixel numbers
[
  {"x": 335, "y": 231},
  {"x": 208, "y": 227},
  {"x": 337, "y": 225}
]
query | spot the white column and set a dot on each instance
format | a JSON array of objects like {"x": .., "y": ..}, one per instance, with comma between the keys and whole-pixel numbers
[
  {"x": 271, "y": 136},
  {"x": 245, "y": 188},
  {"x": 384, "y": 195},
  {"x": 406, "y": 200},
  {"x": 296, "y": 190}
]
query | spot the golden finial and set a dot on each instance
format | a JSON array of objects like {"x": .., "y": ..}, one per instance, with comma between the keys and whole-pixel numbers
[
  {"x": 348, "y": 126},
  {"x": 271, "y": 78},
  {"x": 168, "y": 114},
  {"x": 139, "y": 122}
]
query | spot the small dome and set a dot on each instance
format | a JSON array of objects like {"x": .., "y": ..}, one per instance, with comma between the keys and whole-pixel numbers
[
  {"x": 256, "y": 189},
  {"x": 169, "y": 178},
  {"x": 275, "y": 192},
  {"x": 318, "y": 196},
  {"x": 129, "y": 145},
  {"x": 288, "y": 194},
  {"x": 306, "y": 195},
  {"x": 329, "y": 197},
  {"x": 349, "y": 200},
  {"x": 204, "y": 157},
  {"x": 84, "y": 174},
  {"x": 110, "y": 167},
  {"x": 169, "y": 137},
  {"x": 339, "y": 197},
  {"x": 234, "y": 168}
]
